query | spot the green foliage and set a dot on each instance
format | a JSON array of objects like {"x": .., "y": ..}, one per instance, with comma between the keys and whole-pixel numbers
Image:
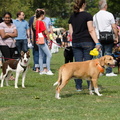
[
  {"x": 60, "y": 9},
  {"x": 114, "y": 7}
]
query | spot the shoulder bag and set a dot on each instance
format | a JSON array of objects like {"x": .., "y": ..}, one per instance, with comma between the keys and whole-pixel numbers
[{"x": 105, "y": 37}]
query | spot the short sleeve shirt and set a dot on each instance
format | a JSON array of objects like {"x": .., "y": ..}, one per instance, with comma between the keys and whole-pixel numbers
[
  {"x": 103, "y": 21},
  {"x": 79, "y": 25},
  {"x": 40, "y": 27},
  {"x": 48, "y": 22},
  {"x": 22, "y": 27},
  {"x": 7, "y": 41}
]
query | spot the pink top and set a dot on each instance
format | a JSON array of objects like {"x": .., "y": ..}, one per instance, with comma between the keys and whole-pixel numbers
[{"x": 7, "y": 41}]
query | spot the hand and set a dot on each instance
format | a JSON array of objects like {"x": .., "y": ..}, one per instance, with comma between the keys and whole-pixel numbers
[
  {"x": 116, "y": 40},
  {"x": 28, "y": 40},
  {"x": 98, "y": 46}
]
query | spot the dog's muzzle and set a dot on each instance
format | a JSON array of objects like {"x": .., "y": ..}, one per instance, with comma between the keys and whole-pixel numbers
[{"x": 25, "y": 61}]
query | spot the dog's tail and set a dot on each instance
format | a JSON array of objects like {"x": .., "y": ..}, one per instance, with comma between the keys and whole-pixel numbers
[{"x": 59, "y": 77}]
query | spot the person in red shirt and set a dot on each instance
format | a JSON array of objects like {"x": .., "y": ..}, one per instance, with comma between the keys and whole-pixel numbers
[{"x": 43, "y": 48}]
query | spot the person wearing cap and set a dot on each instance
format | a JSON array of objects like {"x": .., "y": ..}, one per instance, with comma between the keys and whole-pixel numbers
[{"x": 106, "y": 22}]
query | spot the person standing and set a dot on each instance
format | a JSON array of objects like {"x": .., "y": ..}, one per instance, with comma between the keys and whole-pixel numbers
[
  {"x": 48, "y": 23},
  {"x": 83, "y": 35},
  {"x": 35, "y": 50},
  {"x": 43, "y": 48},
  {"x": 49, "y": 28},
  {"x": 106, "y": 22},
  {"x": 7, "y": 33},
  {"x": 23, "y": 37}
]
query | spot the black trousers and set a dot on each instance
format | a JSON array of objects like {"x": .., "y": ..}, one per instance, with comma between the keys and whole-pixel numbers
[{"x": 7, "y": 52}]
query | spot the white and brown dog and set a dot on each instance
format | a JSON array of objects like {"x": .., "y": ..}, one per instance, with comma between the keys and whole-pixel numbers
[
  {"x": 19, "y": 66},
  {"x": 87, "y": 70}
]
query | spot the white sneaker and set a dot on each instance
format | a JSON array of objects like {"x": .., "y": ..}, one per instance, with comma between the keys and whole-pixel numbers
[
  {"x": 42, "y": 73},
  {"x": 49, "y": 72},
  {"x": 111, "y": 74}
]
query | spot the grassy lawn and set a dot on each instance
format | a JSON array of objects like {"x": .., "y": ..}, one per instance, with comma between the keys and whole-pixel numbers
[{"x": 37, "y": 101}]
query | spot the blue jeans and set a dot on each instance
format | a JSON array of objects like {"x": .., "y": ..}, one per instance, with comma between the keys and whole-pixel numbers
[
  {"x": 22, "y": 45},
  {"x": 81, "y": 53},
  {"x": 107, "y": 50},
  {"x": 43, "y": 49},
  {"x": 35, "y": 58}
]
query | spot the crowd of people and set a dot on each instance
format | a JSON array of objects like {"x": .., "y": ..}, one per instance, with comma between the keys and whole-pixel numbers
[
  {"x": 83, "y": 36},
  {"x": 16, "y": 34}
]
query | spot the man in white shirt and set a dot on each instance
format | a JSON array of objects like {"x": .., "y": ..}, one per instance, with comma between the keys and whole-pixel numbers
[{"x": 104, "y": 21}]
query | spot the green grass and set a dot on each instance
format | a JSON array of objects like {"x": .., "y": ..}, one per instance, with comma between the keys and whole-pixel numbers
[{"x": 37, "y": 101}]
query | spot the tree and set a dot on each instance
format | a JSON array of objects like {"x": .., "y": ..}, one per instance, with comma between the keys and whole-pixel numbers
[
  {"x": 114, "y": 7},
  {"x": 60, "y": 9}
]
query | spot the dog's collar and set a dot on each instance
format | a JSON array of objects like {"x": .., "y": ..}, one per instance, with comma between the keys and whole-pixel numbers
[
  {"x": 24, "y": 67},
  {"x": 100, "y": 68}
]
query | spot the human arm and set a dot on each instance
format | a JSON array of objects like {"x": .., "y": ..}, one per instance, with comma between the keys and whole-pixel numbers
[
  {"x": 7, "y": 35},
  {"x": 114, "y": 27},
  {"x": 70, "y": 30},
  {"x": 51, "y": 29},
  {"x": 92, "y": 32},
  {"x": 28, "y": 35}
]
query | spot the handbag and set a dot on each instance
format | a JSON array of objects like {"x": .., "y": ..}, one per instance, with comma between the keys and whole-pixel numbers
[
  {"x": 105, "y": 37},
  {"x": 40, "y": 39}
]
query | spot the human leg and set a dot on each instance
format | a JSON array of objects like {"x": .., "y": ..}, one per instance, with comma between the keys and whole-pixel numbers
[
  {"x": 40, "y": 57},
  {"x": 87, "y": 47},
  {"x": 78, "y": 55},
  {"x": 108, "y": 51},
  {"x": 25, "y": 45},
  {"x": 1, "y": 59},
  {"x": 5, "y": 52},
  {"x": 19, "y": 46},
  {"x": 48, "y": 55},
  {"x": 36, "y": 59}
]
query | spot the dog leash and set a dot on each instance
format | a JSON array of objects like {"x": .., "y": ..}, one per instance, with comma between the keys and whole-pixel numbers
[
  {"x": 7, "y": 58},
  {"x": 54, "y": 43}
]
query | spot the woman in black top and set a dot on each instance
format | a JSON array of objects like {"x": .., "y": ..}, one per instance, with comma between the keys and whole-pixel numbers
[{"x": 83, "y": 35}]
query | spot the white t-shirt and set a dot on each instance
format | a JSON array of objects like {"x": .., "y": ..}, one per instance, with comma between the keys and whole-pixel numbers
[{"x": 104, "y": 21}]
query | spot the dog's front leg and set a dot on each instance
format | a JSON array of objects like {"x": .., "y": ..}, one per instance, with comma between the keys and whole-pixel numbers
[
  {"x": 2, "y": 80},
  {"x": 23, "y": 79},
  {"x": 94, "y": 81},
  {"x": 16, "y": 80}
]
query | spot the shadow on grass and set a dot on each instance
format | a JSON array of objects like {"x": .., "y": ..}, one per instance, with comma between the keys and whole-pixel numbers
[{"x": 74, "y": 94}]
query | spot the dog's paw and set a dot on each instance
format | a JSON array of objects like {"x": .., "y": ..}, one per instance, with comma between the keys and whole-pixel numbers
[
  {"x": 23, "y": 87},
  {"x": 58, "y": 98},
  {"x": 16, "y": 86},
  {"x": 100, "y": 95}
]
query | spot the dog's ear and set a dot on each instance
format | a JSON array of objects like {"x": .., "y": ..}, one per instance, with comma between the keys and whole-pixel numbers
[
  {"x": 22, "y": 53},
  {"x": 28, "y": 52},
  {"x": 102, "y": 61}
]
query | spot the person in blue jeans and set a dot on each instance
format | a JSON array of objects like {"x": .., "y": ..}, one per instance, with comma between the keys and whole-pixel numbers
[
  {"x": 23, "y": 37},
  {"x": 83, "y": 35},
  {"x": 35, "y": 50},
  {"x": 43, "y": 48}
]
